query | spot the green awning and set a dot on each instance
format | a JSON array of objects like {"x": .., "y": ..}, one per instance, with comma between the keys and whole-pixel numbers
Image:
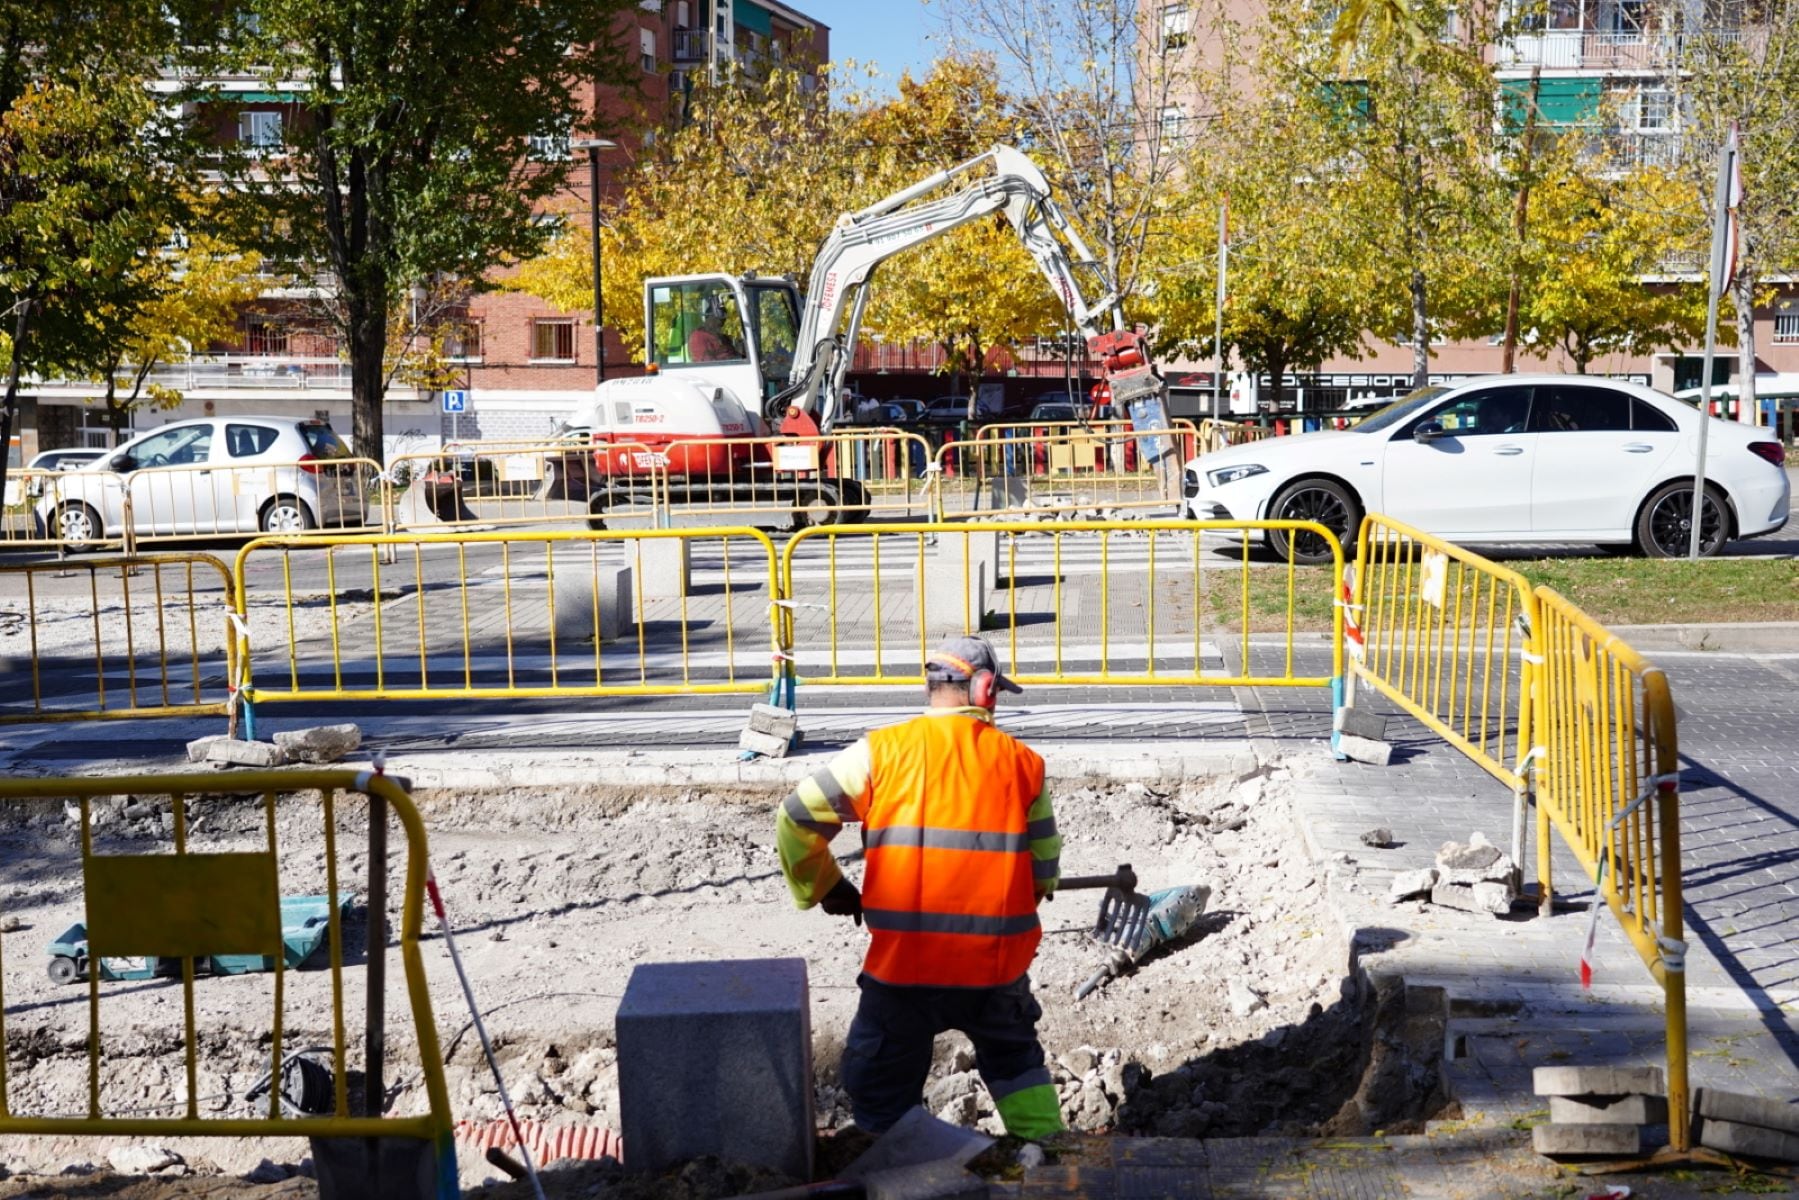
[
  {"x": 261, "y": 97},
  {"x": 753, "y": 17},
  {"x": 1559, "y": 101}
]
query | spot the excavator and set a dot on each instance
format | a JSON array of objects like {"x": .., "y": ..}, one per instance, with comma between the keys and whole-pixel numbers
[{"x": 733, "y": 361}]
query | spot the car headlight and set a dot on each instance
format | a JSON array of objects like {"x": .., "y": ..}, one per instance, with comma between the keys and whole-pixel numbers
[{"x": 1224, "y": 475}]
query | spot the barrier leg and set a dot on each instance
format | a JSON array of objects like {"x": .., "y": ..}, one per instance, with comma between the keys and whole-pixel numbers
[
  {"x": 1545, "y": 886},
  {"x": 1339, "y": 702}
]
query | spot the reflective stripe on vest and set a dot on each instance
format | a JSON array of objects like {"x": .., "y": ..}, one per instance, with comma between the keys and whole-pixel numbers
[{"x": 948, "y": 893}]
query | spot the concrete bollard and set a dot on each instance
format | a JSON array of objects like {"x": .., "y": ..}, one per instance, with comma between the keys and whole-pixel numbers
[
  {"x": 579, "y": 582},
  {"x": 716, "y": 1058},
  {"x": 666, "y": 566},
  {"x": 962, "y": 568}
]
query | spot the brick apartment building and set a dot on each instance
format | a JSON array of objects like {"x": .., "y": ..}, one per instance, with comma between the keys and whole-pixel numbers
[
  {"x": 1594, "y": 57},
  {"x": 525, "y": 365}
]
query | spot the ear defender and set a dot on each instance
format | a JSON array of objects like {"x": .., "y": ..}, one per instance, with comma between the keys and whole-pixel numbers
[{"x": 981, "y": 690}]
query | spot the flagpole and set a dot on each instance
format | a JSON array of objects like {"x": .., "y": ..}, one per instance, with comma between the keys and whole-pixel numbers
[
  {"x": 1722, "y": 266},
  {"x": 1224, "y": 211}
]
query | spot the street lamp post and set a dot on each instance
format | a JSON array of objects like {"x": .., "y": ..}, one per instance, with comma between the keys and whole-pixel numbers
[{"x": 593, "y": 146}]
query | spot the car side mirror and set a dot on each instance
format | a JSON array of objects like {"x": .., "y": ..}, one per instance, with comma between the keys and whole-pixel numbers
[
  {"x": 122, "y": 462},
  {"x": 1429, "y": 431}
]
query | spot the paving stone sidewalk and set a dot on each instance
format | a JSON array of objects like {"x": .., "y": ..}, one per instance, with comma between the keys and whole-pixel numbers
[{"x": 1516, "y": 1001}]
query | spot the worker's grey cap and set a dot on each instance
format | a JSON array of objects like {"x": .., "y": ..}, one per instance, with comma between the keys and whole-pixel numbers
[{"x": 960, "y": 659}]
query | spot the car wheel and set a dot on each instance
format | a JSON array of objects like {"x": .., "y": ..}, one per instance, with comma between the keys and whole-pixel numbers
[
  {"x": 286, "y": 514},
  {"x": 62, "y": 969},
  {"x": 1319, "y": 500},
  {"x": 78, "y": 527},
  {"x": 1665, "y": 524}
]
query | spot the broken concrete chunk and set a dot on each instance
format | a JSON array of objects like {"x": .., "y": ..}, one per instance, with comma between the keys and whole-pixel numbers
[
  {"x": 142, "y": 1160},
  {"x": 1407, "y": 884},
  {"x": 770, "y": 731},
  {"x": 1379, "y": 837},
  {"x": 1244, "y": 999},
  {"x": 1751, "y": 1140},
  {"x": 245, "y": 754},
  {"x": 1364, "y": 750},
  {"x": 1598, "y": 1081},
  {"x": 1747, "y": 1110},
  {"x": 1476, "y": 856},
  {"x": 1477, "y": 898},
  {"x": 1608, "y": 1110},
  {"x": 1586, "y": 1141},
  {"x": 199, "y": 748},
  {"x": 320, "y": 743},
  {"x": 1362, "y": 723}
]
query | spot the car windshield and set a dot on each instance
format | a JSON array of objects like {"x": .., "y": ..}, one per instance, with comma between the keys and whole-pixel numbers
[
  {"x": 1398, "y": 412},
  {"x": 1053, "y": 412}
]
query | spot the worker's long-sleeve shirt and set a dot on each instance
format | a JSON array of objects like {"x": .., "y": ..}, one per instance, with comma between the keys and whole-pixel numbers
[{"x": 817, "y": 810}]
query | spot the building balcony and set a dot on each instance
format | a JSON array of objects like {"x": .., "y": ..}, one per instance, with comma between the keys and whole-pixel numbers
[
  {"x": 208, "y": 376},
  {"x": 692, "y": 45},
  {"x": 1614, "y": 50},
  {"x": 1621, "y": 153}
]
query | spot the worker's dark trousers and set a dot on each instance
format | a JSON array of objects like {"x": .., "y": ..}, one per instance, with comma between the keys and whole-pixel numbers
[{"x": 888, "y": 1053}]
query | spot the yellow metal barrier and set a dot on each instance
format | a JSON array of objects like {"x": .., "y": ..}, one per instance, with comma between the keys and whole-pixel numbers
[
  {"x": 88, "y": 509},
  {"x": 514, "y": 614},
  {"x": 117, "y": 638},
  {"x": 1216, "y": 434},
  {"x": 844, "y": 476},
  {"x": 27, "y": 521},
  {"x": 518, "y": 483},
  {"x": 1610, "y": 783},
  {"x": 1077, "y": 602},
  {"x": 202, "y": 896},
  {"x": 1080, "y": 470},
  {"x": 1445, "y": 636}
]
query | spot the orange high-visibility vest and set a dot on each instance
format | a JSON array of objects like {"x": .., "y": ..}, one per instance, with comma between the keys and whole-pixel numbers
[{"x": 948, "y": 892}]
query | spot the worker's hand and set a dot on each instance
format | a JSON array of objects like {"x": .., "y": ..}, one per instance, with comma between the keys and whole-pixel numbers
[{"x": 843, "y": 900}]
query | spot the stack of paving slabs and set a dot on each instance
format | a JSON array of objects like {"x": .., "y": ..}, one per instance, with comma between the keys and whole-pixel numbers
[
  {"x": 1478, "y": 877},
  {"x": 1601, "y": 1112},
  {"x": 1748, "y": 1125}
]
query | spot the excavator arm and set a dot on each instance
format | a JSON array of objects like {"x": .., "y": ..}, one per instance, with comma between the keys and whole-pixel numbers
[{"x": 862, "y": 241}]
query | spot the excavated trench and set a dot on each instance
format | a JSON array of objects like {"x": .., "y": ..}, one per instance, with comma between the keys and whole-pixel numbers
[{"x": 1258, "y": 1022}]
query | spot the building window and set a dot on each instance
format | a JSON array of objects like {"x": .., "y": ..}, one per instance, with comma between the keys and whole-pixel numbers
[
  {"x": 259, "y": 130},
  {"x": 549, "y": 147},
  {"x": 553, "y": 341},
  {"x": 265, "y": 336},
  {"x": 1786, "y": 323},
  {"x": 646, "y": 50},
  {"x": 464, "y": 342},
  {"x": 1174, "y": 122},
  {"x": 1177, "y": 21},
  {"x": 1654, "y": 110}
]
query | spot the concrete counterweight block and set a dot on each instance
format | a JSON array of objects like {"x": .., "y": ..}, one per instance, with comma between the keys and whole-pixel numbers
[
  {"x": 959, "y": 573},
  {"x": 716, "y": 1058},
  {"x": 584, "y": 588},
  {"x": 666, "y": 566}
]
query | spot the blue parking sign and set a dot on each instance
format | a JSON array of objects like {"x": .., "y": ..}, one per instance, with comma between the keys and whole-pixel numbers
[{"x": 455, "y": 402}]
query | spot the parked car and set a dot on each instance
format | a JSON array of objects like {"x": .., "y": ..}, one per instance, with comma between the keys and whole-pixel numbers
[
  {"x": 46, "y": 461},
  {"x": 913, "y": 410},
  {"x": 1508, "y": 458},
  {"x": 1048, "y": 414},
  {"x": 878, "y": 413},
  {"x": 206, "y": 477}
]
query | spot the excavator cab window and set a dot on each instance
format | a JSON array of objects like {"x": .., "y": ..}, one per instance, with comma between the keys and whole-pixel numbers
[
  {"x": 777, "y": 332},
  {"x": 696, "y": 323}
]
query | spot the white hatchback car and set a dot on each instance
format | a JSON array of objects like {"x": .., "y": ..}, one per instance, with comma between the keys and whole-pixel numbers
[
  {"x": 216, "y": 476},
  {"x": 1508, "y": 458}
]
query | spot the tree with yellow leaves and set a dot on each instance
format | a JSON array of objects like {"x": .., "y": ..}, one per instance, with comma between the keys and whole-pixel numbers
[{"x": 196, "y": 286}]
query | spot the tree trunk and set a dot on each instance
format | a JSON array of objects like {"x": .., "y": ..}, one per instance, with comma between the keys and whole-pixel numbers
[
  {"x": 1420, "y": 329},
  {"x": 11, "y": 405},
  {"x": 1275, "y": 358},
  {"x": 368, "y": 350},
  {"x": 1744, "y": 285}
]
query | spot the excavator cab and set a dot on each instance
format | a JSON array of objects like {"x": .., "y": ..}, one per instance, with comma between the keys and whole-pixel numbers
[{"x": 742, "y": 332}]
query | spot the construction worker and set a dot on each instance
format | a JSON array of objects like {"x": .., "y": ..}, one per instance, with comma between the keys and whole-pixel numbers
[{"x": 961, "y": 848}]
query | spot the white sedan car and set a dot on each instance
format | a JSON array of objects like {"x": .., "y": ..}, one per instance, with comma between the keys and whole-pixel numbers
[{"x": 1508, "y": 458}]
